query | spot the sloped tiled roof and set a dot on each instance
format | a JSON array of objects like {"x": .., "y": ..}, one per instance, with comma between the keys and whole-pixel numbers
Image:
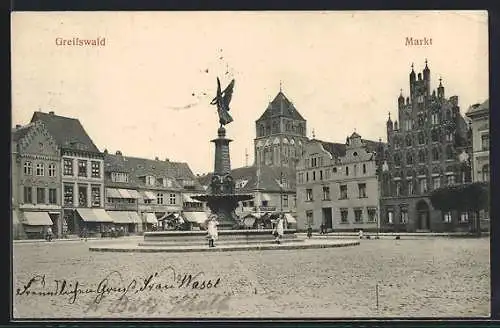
[
  {"x": 281, "y": 106},
  {"x": 339, "y": 149},
  {"x": 67, "y": 132},
  {"x": 479, "y": 107},
  {"x": 269, "y": 178},
  {"x": 139, "y": 167}
]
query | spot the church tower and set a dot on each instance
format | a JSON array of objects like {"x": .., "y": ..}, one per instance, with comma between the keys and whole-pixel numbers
[{"x": 280, "y": 134}]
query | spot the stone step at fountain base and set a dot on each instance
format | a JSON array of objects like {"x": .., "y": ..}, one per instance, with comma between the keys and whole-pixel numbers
[
  {"x": 226, "y": 235},
  {"x": 218, "y": 242},
  {"x": 291, "y": 245}
]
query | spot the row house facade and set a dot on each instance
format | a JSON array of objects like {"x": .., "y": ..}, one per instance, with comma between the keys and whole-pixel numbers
[
  {"x": 141, "y": 193},
  {"x": 428, "y": 149},
  {"x": 479, "y": 114},
  {"x": 81, "y": 172},
  {"x": 337, "y": 185},
  {"x": 35, "y": 181}
]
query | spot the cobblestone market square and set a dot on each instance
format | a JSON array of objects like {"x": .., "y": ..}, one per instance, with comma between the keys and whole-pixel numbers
[
  {"x": 250, "y": 165},
  {"x": 444, "y": 277}
]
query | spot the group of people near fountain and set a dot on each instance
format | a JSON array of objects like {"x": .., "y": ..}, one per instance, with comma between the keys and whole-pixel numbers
[{"x": 213, "y": 233}]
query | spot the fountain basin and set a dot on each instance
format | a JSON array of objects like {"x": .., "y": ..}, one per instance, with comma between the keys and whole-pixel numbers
[{"x": 229, "y": 235}]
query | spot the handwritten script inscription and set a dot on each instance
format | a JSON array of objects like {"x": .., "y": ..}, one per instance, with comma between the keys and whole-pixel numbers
[{"x": 114, "y": 284}]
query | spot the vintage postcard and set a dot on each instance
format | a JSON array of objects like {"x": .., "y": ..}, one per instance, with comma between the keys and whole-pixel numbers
[{"x": 250, "y": 165}]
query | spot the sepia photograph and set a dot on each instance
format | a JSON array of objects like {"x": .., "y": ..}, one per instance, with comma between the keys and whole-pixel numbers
[{"x": 250, "y": 164}]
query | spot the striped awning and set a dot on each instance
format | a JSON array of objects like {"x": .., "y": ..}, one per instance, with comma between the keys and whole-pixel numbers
[
  {"x": 112, "y": 193},
  {"x": 124, "y": 217},
  {"x": 151, "y": 218},
  {"x": 94, "y": 215},
  {"x": 37, "y": 219},
  {"x": 124, "y": 193},
  {"x": 134, "y": 193},
  {"x": 196, "y": 217},
  {"x": 120, "y": 217},
  {"x": 148, "y": 195}
]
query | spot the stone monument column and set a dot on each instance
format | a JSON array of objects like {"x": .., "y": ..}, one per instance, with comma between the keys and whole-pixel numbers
[{"x": 222, "y": 165}]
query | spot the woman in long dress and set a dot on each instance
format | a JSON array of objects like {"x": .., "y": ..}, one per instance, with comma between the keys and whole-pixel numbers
[
  {"x": 213, "y": 234},
  {"x": 279, "y": 229}
]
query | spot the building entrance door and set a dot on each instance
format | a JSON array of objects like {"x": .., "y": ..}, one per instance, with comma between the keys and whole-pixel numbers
[
  {"x": 423, "y": 218},
  {"x": 327, "y": 217}
]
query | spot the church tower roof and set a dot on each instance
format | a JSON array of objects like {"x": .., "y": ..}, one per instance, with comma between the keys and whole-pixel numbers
[{"x": 281, "y": 106}]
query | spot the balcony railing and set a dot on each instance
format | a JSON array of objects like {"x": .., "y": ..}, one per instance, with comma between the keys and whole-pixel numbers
[
  {"x": 159, "y": 208},
  {"x": 121, "y": 206}
]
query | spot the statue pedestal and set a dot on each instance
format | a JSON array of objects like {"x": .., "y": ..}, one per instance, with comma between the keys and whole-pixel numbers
[{"x": 222, "y": 199}]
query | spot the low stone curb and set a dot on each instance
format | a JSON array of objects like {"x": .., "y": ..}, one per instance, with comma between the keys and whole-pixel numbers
[{"x": 142, "y": 249}]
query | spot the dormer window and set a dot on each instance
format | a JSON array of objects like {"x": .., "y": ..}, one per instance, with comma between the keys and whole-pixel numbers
[
  {"x": 150, "y": 180},
  {"x": 119, "y": 177}
]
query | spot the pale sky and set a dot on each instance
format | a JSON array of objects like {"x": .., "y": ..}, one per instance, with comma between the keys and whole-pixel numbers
[{"x": 342, "y": 70}]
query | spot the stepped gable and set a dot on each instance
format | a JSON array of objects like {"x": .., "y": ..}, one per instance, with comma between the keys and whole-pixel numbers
[
  {"x": 67, "y": 132},
  {"x": 20, "y": 132},
  {"x": 281, "y": 106}
]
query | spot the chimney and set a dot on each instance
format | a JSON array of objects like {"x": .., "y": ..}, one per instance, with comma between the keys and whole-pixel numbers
[
  {"x": 18, "y": 126},
  {"x": 51, "y": 112},
  {"x": 118, "y": 152},
  {"x": 105, "y": 151}
]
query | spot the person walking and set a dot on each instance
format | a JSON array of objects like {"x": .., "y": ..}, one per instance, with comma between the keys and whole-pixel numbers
[
  {"x": 213, "y": 233},
  {"x": 48, "y": 235},
  {"x": 279, "y": 229},
  {"x": 309, "y": 232}
]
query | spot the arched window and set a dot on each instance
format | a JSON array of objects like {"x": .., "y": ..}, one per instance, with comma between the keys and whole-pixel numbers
[
  {"x": 486, "y": 172},
  {"x": 28, "y": 169},
  {"x": 435, "y": 154},
  {"x": 421, "y": 156},
  {"x": 421, "y": 139},
  {"x": 397, "y": 160},
  {"x": 408, "y": 141},
  {"x": 409, "y": 159},
  {"x": 434, "y": 135},
  {"x": 449, "y": 152}
]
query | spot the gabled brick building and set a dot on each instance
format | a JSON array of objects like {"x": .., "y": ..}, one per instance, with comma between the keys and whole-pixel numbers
[{"x": 428, "y": 147}]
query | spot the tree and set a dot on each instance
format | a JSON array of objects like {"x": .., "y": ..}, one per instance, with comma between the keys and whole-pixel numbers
[{"x": 470, "y": 197}]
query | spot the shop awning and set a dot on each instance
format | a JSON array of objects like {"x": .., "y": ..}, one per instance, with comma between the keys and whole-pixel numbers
[
  {"x": 94, "y": 215},
  {"x": 112, "y": 193},
  {"x": 120, "y": 217},
  {"x": 134, "y": 193},
  {"x": 151, "y": 218},
  {"x": 289, "y": 218},
  {"x": 196, "y": 217},
  {"x": 124, "y": 193},
  {"x": 148, "y": 195},
  {"x": 188, "y": 199},
  {"x": 37, "y": 219},
  {"x": 134, "y": 216}
]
